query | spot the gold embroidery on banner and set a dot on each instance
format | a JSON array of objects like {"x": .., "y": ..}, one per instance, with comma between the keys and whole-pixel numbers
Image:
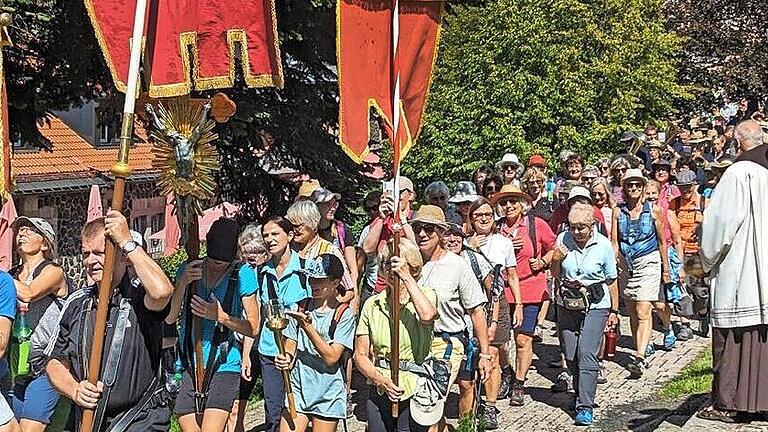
[{"x": 187, "y": 39}]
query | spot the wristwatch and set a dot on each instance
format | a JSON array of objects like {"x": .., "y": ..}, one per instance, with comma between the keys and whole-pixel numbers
[{"x": 129, "y": 247}]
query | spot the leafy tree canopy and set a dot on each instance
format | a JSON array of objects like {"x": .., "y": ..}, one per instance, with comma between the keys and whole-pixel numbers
[
  {"x": 529, "y": 76},
  {"x": 725, "y": 54}
]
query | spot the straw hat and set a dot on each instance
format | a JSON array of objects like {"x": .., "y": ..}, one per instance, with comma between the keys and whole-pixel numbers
[
  {"x": 306, "y": 188},
  {"x": 654, "y": 143},
  {"x": 430, "y": 214},
  {"x": 510, "y": 191}
]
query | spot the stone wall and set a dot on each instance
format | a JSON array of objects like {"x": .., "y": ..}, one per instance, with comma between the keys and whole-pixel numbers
[{"x": 67, "y": 212}]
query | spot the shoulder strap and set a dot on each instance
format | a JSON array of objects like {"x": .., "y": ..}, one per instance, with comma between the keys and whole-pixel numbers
[
  {"x": 336, "y": 318},
  {"x": 39, "y": 269},
  {"x": 532, "y": 234},
  {"x": 232, "y": 286},
  {"x": 475, "y": 266}
]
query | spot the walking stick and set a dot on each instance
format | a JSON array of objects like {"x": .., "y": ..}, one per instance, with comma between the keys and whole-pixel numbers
[
  {"x": 394, "y": 360},
  {"x": 192, "y": 247},
  {"x": 121, "y": 170}
]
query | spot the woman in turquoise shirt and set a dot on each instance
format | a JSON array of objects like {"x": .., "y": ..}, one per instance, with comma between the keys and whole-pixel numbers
[{"x": 279, "y": 278}]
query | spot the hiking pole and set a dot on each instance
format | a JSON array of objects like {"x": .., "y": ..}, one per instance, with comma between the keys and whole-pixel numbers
[{"x": 121, "y": 170}]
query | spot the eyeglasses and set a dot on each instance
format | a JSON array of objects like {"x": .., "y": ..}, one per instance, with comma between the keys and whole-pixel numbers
[
  {"x": 428, "y": 229},
  {"x": 605, "y": 167},
  {"x": 633, "y": 185},
  {"x": 535, "y": 182},
  {"x": 587, "y": 179},
  {"x": 598, "y": 194},
  {"x": 438, "y": 198},
  {"x": 482, "y": 215},
  {"x": 579, "y": 227}
]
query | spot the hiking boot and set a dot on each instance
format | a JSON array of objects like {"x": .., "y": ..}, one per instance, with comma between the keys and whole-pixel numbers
[
  {"x": 506, "y": 380},
  {"x": 669, "y": 339},
  {"x": 538, "y": 334},
  {"x": 601, "y": 379},
  {"x": 583, "y": 417},
  {"x": 636, "y": 368},
  {"x": 491, "y": 414},
  {"x": 684, "y": 333},
  {"x": 516, "y": 395},
  {"x": 563, "y": 383}
]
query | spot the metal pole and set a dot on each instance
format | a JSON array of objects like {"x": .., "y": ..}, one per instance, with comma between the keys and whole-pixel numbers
[
  {"x": 121, "y": 170},
  {"x": 395, "y": 84}
]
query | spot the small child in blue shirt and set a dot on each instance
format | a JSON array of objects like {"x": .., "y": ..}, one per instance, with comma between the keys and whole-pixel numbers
[{"x": 316, "y": 339}]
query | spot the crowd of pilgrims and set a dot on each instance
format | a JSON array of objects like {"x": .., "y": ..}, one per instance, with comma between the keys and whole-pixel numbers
[{"x": 484, "y": 271}]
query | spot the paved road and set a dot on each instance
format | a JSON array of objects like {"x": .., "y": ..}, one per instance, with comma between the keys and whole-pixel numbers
[{"x": 547, "y": 411}]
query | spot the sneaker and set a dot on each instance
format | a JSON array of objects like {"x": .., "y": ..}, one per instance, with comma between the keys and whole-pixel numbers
[
  {"x": 563, "y": 383},
  {"x": 506, "y": 379},
  {"x": 601, "y": 379},
  {"x": 636, "y": 368},
  {"x": 650, "y": 350},
  {"x": 516, "y": 395},
  {"x": 669, "y": 340},
  {"x": 583, "y": 417},
  {"x": 684, "y": 333},
  {"x": 491, "y": 414},
  {"x": 538, "y": 334}
]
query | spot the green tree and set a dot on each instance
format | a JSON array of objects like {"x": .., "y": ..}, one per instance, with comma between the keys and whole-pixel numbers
[{"x": 529, "y": 76}]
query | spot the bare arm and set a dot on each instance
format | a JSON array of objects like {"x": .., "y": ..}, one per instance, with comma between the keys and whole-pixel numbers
[
  {"x": 329, "y": 353},
  {"x": 50, "y": 281},
  {"x": 480, "y": 326},
  {"x": 363, "y": 361},
  {"x": 61, "y": 378},
  {"x": 246, "y": 327},
  {"x": 371, "y": 241}
]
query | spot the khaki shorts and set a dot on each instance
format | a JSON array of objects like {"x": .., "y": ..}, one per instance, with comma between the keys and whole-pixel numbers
[{"x": 457, "y": 355}]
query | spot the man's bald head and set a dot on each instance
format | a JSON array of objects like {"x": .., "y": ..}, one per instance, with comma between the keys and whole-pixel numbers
[{"x": 748, "y": 134}]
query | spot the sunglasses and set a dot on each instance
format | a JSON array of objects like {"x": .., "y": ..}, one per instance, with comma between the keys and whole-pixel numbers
[
  {"x": 598, "y": 194},
  {"x": 620, "y": 169},
  {"x": 510, "y": 168},
  {"x": 633, "y": 185},
  {"x": 428, "y": 229},
  {"x": 535, "y": 182},
  {"x": 491, "y": 188},
  {"x": 507, "y": 200}
]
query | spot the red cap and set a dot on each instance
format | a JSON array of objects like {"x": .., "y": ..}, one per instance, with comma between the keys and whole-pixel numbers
[{"x": 536, "y": 160}]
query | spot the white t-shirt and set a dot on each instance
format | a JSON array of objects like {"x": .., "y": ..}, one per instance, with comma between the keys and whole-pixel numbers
[
  {"x": 457, "y": 290},
  {"x": 499, "y": 250}
]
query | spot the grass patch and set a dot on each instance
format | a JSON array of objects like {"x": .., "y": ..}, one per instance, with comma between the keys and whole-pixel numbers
[{"x": 695, "y": 378}]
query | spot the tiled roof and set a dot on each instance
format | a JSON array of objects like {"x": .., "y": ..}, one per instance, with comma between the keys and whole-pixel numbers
[{"x": 72, "y": 156}]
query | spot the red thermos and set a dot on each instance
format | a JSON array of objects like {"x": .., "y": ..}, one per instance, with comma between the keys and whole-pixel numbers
[{"x": 610, "y": 343}]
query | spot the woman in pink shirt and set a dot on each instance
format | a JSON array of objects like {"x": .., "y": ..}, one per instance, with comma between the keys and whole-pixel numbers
[{"x": 534, "y": 243}]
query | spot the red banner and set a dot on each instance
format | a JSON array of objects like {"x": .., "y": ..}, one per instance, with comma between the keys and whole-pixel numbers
[
  {"x": 192, "y": 44},
  {"x": 364, "y": 38}
]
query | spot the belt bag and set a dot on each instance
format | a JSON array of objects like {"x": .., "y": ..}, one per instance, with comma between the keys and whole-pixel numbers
[{"x": 578, "y": 299}]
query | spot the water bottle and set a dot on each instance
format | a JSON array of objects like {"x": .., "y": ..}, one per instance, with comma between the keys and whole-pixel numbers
[
  {"x": 20, "y": 345},
  {"x": 173, "y": 382},
  {"x": 609, "y": 352},
  {"x": 473, "y": 349}
]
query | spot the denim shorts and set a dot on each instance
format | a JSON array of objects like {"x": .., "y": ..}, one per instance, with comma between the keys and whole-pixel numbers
[
  {"x": 35, "y": 400},
  {"x": 530, "y": 318}
]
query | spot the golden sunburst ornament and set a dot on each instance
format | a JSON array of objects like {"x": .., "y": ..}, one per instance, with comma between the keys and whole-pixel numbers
[{"x": 184, "y": 154}]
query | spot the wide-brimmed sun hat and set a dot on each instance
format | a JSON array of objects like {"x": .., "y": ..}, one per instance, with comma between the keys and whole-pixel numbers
[
  {"x": 634, "y": 174},
  {"x": 698, "y": 137},
  {"x": 579, "y": 192},
  {"x": 465, "y": 192},
  {"x": 430, "y": 214},
  {"x": 510, "y": 191}
]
